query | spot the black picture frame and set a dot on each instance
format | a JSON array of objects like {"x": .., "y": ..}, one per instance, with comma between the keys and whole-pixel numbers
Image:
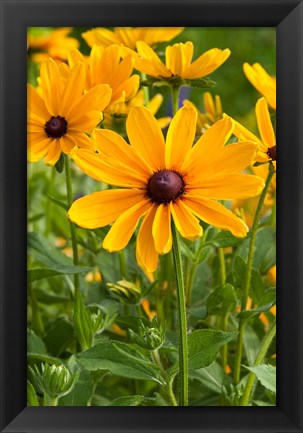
[{"x": 16, "y": 16}]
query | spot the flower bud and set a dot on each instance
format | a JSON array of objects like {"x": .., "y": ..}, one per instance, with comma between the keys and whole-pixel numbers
[
  {"x": 126, "y": 291},
  {"x": 148, "y": 337}
]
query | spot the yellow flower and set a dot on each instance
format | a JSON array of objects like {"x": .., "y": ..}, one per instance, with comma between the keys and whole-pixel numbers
[
  {"x": 60, "y": 113},
  {"x": 162, "y": 181},
  {"x": 105, "y": 66},
  {"x": 178, "y": 61},
  {"x": 128, "y": 36},
  {"x": 267, "y": 143},
  {"x": 262, "y": 81},
  {"x": 212, "y": 112},
  {"x": 44, "y": 43}
]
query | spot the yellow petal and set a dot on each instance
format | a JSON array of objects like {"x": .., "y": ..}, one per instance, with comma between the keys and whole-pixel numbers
[
  {"x": 180, "y": 136},
  {"x": 122, "y": 230},
  {"x": 206, "y": 63},
  {"x": 67, "y": 143},
  {"x": 82, "y": 140},
  {"x": 100, "y": 36},
  {"x": 232, "y": 159},
  {"x": 155, "y": 103},
  {"x": 36, "y": 104},
  {"x": 112, "y": 145},
  {"x": 38, "y": 146},
  {"x": 243, "y": 133},
  {"x": 209, "y": 106},
  {"x": 146, "y": 137},
  {"x": 178, "y": 57},
  {"x": 53, "y": 153},
  {"x": 52, "y": 86},
  {"x": 149, "y": 55},
  {"x": 100, "y": 168},
  {"x": 103, "y": 207},
  {"x": 96, "y": 99},
  {"x": 262, "y": 81},
  {"x": 146, "y": 253},
  {"x": 85, "y": 123},
  {"x": 129, "y": 87},
  {"x": 162, "y": 230},
  {"x": 73, "y": 89},
  {"x": 210, "y": 145},
  {"x": 264, "y": 123},
  {"x": 228, "y": 187},
  {"x": 187, "y": 224},
  {"x": 216, "y": 214}
]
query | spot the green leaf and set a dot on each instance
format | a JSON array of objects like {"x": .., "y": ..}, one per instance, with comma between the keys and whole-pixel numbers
[
  {"x": 266, "y": 303},
  {"x": 45, "y": 253},
  {"x": 251, "y": 344},
  {"x": 59, "y": 166},
  {"x": 81, "y": 392},
  {"x": 39, "y": 274},
  {"x": 257, "y": 286},
  {"x": 204, "y": 345},
  {"x": 211, "y": 377},
  {"x": 35, "y": 344},
  {"x": 203, "y": 253},
  {"x": 225, "y": 239},
  {"x": 60, "y": 333},
  {"x": 201, "y": 83},
  {"x": 121, "y": 360},
  {"x": 38, "y": 357},
  {"x": 82, "y": 322},
  {"x": 266, "y": 374},
  {"x": 222, "y": 300},
  {"x": 32, "y": 399},
  {"x": 130, "y": 400}
]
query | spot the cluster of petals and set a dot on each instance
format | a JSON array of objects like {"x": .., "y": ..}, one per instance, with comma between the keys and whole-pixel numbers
[
  {"x": 262, "y": 81},
  {"x": 61, "y": 99},
  {"x": 178, "y": 61},
  {"x": 106, "y": 66},
  {"x": 129, "y": 36},
  {"x": 209, "y": 170}
]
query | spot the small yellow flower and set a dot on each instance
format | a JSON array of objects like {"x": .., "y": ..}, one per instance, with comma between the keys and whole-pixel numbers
[
  {"x": 178, "y": 61},
  {"x": 44, "y": 43},
  {"x": 106, "y": 66},
  {"x": 262, "y": 81},
  {"x": 267, "y": 143},
  {"x": 212, "y": 112},
  {"x": 59, "y": 113},
  {"x": 163, "y": 181},
  {"x": 128, "y": 36}
]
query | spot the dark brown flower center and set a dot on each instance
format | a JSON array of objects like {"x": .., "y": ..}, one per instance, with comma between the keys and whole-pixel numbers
[
  {"x": 165, "y": 186},
  {"x": 271, "y": 152},
  {"x": 56, "y": 127}
]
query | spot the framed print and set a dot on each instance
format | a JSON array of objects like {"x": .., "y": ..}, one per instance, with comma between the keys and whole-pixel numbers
[{"x": 144, "y": 221}]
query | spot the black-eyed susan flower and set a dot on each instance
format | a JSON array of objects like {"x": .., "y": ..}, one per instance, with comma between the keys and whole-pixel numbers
[
  {"x": 267, "y": 143},
  {"x": 178, "y": 61},
  {"x": 59, "y": 113},
  {"x": 163, "y": 181},
  {"x": 262, "y": 81},
  {"x": 45, "y": 42},
  {"x": 106, "y": 66},
  {"x": 212, "y": 111},
  {"x": 128, "y": 36}
]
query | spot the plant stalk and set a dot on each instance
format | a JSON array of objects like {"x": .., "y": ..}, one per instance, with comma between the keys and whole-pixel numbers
[
  {"x": 183, "y": 351},
  {"x": 250, "y": 258}
]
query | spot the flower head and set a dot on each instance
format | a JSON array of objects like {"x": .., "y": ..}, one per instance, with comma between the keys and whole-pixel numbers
[
  {"x": 160, "y": 181},
  {"x": 262, "y": 81},
  {"x": 106, "y": 66},
  {"x": 178, "y": 61},
  {"x": 267, "y": 143},
  {"x": 45, "y": 42},
  {"x": 128, "y": 36},
  {"x": 59, "y": 113}
]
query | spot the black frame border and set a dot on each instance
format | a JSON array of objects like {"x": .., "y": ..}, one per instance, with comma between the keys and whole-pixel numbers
[{"x": 16, "y": 16}]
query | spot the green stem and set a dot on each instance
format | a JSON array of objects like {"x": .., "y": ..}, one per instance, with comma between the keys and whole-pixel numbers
[
  {"x": 222, "y": 265},
  {"x": 175, "y": 98},
  {"x": 54, "y": 401},
  {"x": 122, "y": 263},
  {"x": 72, "y": 225},
  {"x": 225, "y": 317},
  {"x": 191, "y": 279},
  {"x": 260, "y": 358},
  {"x": 183, "y": 353},
  {"x": 250, "y": 258},
  {"x": 273, "y": 211}
]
